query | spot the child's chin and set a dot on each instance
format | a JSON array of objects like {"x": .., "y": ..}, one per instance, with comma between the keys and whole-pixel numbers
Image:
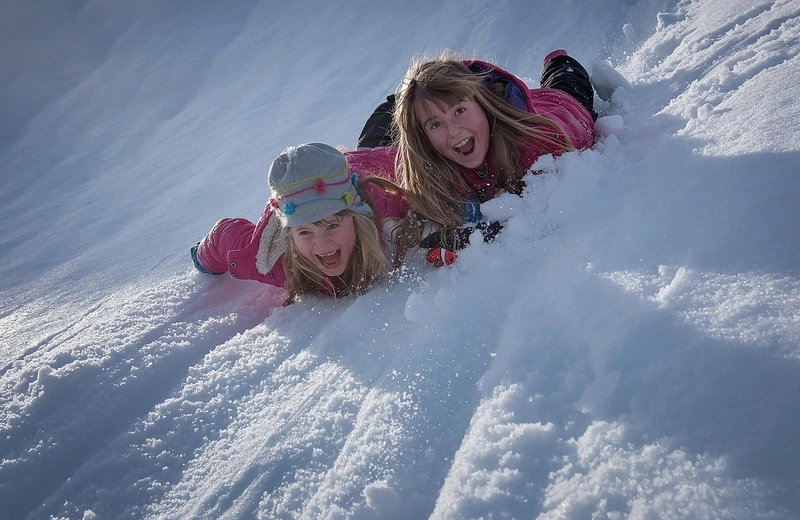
[
  {"x": 337, "y": 271},
  {"x": 470, "y": 162}
]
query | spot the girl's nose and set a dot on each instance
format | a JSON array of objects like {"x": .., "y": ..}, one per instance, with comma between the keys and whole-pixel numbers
[{"x": 322, "y": 243}]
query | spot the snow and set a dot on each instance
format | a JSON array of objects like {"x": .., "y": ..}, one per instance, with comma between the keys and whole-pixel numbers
[{"x": 628, "y": 347}]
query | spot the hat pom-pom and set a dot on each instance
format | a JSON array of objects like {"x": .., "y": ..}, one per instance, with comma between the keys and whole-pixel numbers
[
  {"x": 319, "y": 186},
  {"x": 348, "y": 198},
  {"x": 288, "y": 208}
]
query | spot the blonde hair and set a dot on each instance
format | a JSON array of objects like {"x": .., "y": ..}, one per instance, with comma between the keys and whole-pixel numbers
[
  {"x": 367, "y": 263},
  {"x": 429, "y": 179}
]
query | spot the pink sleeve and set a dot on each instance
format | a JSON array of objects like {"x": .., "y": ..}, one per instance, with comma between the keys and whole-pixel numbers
[
  {"x": 378, "y": 162},
  {"x": 571, "y": 116},
  {"x": 228, "y": 234},
  {"x": 388, "y": 205}
]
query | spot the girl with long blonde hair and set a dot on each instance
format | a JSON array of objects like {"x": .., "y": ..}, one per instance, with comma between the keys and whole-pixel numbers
[
  {"x": 322, "y": 230},
  {"x": 467, "y": 130}
]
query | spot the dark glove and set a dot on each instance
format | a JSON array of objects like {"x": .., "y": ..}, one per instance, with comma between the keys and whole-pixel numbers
[
  {"x": 456, "y": 239},
  {"x": 442, "y": 245},
  {"x": 451, "y": 239}
]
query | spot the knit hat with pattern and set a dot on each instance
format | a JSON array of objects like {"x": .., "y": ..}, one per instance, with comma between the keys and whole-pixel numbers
[{"x": 311, "y": 182}]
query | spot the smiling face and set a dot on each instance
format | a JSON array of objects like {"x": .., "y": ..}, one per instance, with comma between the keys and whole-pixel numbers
[
  {"x": 327, "y": 244},
  {"x": 459, "y": 132}
]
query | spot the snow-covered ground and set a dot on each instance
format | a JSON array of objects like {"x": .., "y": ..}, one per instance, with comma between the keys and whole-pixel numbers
[{"x": 629, "y": 347}]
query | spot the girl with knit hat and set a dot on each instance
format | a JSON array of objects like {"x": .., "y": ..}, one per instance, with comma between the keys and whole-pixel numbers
[
  {"x": 326, "y": 228},
  {"x": 468, "y": 131}
]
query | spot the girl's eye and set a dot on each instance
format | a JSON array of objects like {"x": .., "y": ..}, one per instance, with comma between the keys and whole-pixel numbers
[
  {"x": 435, "y": 125},
  {"x": 332, "y": 226},
  {"x": 460, "y": 110}
]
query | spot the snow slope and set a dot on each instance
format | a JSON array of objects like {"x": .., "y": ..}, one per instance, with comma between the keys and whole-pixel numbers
[{"x": 629, "y": 346}]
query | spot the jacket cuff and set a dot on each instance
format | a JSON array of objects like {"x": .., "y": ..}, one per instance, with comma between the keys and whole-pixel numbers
[{"x": 196, "y": 262}]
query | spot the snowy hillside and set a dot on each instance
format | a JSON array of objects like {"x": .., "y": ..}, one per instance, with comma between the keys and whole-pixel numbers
[{"x": 629, "y": 346}]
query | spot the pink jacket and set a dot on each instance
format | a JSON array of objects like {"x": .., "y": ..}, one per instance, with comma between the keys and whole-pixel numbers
[
  {"x": 572, "y": 117},
  {"x": 246, "y": 251}
]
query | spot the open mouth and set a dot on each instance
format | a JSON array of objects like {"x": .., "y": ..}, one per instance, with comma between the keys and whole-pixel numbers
[
  {"x": 330, "y": 260},
  {"x": 465, "y": 147}
]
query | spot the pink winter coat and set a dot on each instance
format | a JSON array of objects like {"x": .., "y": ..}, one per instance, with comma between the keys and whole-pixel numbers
[
  {"x": 252, "y": 252},
  {"x": 574, "y": 120}
]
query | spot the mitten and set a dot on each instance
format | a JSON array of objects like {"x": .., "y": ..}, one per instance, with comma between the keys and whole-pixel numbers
[
  {"x": 442, "y": 245},
  {"x": 451, "y": 239},
  {"x": 456, "y": 239}
]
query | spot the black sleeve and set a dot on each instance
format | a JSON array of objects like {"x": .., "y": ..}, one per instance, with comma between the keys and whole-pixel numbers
[
  {"x": 378, "y": 128},
  {"x": 566, "y": 74}
]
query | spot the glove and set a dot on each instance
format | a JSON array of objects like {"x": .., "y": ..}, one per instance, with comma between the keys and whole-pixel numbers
[
  {"x": 459, "y": 238},
  {"x": 443, "y": 244},
  {"x": 451, "y": 239}
]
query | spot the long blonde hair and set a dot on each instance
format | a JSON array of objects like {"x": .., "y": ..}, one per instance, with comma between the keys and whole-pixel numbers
[
  {"x": 367, "y": 263},
  {"x": 429, "y": 179}
]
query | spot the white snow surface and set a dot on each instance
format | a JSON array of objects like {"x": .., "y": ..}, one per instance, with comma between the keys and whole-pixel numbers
[{"x": 629, "y": 346}]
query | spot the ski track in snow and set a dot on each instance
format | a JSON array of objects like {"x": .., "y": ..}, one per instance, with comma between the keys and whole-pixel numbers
[{"x": 586, "y": 384}]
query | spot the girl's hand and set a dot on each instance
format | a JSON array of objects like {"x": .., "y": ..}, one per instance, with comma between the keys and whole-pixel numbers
[
  {"x": 442, "y": 245},
  {"x": 459, "y": 238}
]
